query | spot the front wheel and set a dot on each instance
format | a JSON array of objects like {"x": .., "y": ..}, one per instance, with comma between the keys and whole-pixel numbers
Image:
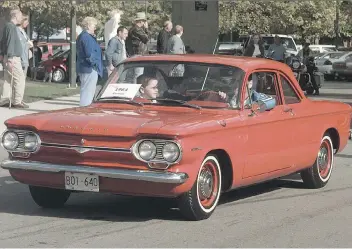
[
  {"x": 200, "y": 202},
  {"x": 49, "y": 197},
  {"x": 319, "y": 174},
  {"x": 58, "y": 75}
]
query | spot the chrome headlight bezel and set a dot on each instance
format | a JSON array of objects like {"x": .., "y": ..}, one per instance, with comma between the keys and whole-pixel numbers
[
  {"x": 159, "y": 155},
  {"x": 21, "y": 135},
  {"x": 152, "y": 151},
  {"x": 5, "y": 133},
  {"x": 176, "y": 156}
]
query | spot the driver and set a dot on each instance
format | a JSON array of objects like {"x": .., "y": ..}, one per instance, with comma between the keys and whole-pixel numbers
[{"x": 255, "y": 96}]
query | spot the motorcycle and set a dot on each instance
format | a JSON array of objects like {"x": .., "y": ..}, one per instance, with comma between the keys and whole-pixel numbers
[{"x": 300, "y": 71}]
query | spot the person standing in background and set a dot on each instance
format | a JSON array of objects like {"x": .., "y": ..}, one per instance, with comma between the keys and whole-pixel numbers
[
  {"x": 89, "y": 61},
  {"x": 255, "y": 47},
  {"x": 116, "y": 50},
  {"x": 26, "y": 44},
  {"x": 11, "y": 51},
  {"x": 36, "y": 59},
  {"x": 138, "y": 36},
  {"x": 112, "y": 25},
  {"x": 175, "y": 44},
  {"x": 277, "y": 50},
  {"x": 163, "y": 37}
]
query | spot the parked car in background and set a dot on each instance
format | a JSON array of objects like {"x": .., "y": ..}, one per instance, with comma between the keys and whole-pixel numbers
[
  {"x": 324, "y": 63},
  {"x": 229, "y": 48},
  {"x": 59, "y": 63},
  {"x": 268, "y": 39},
  {"x": 60, "y": 66},
  {"x": 342, "y": 68},
  {"x": 199, "y": 137},
  {"x": 323, "y": 48},
  {"x": 50, "y": 48}
]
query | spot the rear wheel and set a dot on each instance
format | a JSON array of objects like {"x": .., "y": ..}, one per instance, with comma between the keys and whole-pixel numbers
[
  {"x": 200, "y": 202},
  {"x": 49, "y": 197},
  {"x": 319, "y": 174}
]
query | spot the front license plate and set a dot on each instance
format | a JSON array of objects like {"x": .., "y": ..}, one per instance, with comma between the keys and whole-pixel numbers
[{"x": 81, "y": 182}]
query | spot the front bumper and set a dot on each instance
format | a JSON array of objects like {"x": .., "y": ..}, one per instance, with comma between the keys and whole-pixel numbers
[{"x": 112, "y": 173}]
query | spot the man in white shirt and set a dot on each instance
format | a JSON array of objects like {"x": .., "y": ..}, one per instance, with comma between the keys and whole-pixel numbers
[{"x": 112, "y": 25}]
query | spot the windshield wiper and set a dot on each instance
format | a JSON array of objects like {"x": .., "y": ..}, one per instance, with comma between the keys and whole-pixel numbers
[
  {"x": 121, "y": 100},
  {"x": 181, "y": 102}
]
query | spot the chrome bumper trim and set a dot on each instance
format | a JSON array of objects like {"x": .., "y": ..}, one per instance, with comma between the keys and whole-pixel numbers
[{"x": 139, "y": 175}]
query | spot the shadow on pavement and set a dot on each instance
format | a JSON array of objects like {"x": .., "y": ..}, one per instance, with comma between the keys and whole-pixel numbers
[
  {"x": 343, "y": 156},
  {"x": 108, "y": 207}
]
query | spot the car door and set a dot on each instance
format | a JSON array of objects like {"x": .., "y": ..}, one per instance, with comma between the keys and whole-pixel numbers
[
  {"x": 269, "y": 141},
  {"x": 302, "y": 117}
]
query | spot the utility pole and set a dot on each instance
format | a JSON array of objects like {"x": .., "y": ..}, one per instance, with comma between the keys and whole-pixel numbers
[
  {"x": 73, "y": 73},
  {"x": 337, "y": 24}
]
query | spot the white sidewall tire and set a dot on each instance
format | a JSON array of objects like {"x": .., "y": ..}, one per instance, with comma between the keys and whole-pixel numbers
[
  {"x": 332, "y": 159},
  {"x": 214, "y": 159}
]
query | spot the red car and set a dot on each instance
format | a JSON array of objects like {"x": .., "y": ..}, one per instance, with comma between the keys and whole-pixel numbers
[
  {"x": 59, "y": 63},
  {"x": 188, "y": 127}
]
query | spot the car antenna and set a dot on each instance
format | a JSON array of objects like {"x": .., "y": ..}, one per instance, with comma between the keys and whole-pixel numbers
[{"x": 206, "y": 75}]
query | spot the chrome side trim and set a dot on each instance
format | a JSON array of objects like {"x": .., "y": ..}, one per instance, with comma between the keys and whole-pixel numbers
[
  {"x": 85, "y": 148},
  {"x": 139, "y": 175}
]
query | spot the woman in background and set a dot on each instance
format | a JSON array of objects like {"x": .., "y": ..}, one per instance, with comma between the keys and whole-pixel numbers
[{"x": 89, "y": 61}]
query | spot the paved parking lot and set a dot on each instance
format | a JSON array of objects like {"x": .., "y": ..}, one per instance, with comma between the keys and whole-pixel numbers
[{"x": 279, "y": 213}]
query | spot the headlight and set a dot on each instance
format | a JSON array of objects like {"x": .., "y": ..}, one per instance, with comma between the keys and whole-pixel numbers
[
  {"x": 31, "y": 142},
  {"x": 10, "y": 140},
  {"x": 147, "y": 150},
  {"x": 171, "y": 152},
  {"x": 296, "y": 64}
]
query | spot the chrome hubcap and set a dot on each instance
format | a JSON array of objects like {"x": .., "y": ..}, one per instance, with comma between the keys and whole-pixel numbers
[
  {"x": 323, "y": 158},
  {"x": 205, "y": 184}
]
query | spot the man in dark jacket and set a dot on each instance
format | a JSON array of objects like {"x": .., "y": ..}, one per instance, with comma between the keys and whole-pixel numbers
[
  {"x": 138, "y": 37},
  {"x": 163, "y": 37}
]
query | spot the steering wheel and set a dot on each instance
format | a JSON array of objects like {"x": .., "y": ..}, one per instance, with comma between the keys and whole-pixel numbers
[{"x": 210, "y": 96}]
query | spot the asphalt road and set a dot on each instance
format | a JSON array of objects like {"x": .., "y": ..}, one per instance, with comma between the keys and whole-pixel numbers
[{"x": 279, "y": 213}]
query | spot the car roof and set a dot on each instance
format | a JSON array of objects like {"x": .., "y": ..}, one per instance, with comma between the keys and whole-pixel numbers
[
  {"x": 330, "y": 46},
  {"x": 242, "y": 62}
]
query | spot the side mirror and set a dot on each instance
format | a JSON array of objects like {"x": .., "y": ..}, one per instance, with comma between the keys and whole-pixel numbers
[{"x": 259, "y": 106}]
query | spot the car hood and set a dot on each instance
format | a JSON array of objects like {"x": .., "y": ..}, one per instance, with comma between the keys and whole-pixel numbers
[{"x": 113, "y": 121}]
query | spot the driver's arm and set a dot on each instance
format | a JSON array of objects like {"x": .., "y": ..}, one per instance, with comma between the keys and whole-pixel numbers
[{"x": 269, "y": 101}]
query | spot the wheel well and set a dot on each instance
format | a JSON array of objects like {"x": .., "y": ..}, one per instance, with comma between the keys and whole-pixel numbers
[
  {"x": 226, "y": 168},
  {"x": 335, "y": 137}
]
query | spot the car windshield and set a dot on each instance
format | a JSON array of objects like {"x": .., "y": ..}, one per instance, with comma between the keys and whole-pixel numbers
[
  {"x": 286, "y": 41},
  {"x": 168, "y": 82}
]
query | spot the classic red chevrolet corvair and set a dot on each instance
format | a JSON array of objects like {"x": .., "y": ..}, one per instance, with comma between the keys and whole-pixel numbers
[{"x": 182, "y": 126}]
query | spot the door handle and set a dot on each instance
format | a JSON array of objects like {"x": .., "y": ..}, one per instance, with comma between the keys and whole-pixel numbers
[{"x": 290, "y": 110}]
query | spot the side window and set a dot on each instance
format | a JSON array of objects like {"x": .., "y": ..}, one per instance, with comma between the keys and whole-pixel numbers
[
  {"x": 262, "y": 86},
  {"x": 265, "y": 83},
  {"x": 290, "y": 96}
]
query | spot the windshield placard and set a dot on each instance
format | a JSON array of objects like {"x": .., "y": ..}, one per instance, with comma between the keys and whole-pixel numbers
[{"x": 121, "y": 90}]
